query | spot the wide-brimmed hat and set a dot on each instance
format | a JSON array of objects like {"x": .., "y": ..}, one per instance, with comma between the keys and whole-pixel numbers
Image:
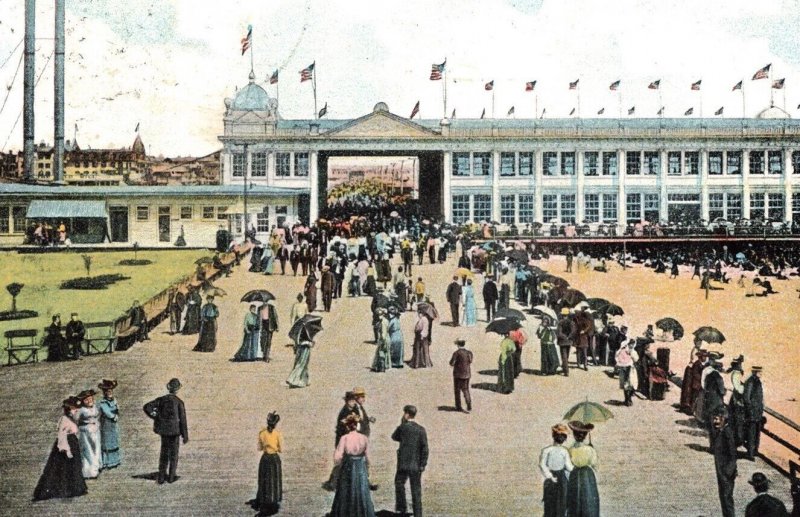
[
  {"x": 759, "y": 480},
  {"x": 107, "y": 385},
  {"x": 71, "y": 403},
  {"x": 560, "y": 429},
  {"x": 581, "y": 427},
  {"x": 273, "y": 419},
  {"x": 174, "y": 385},
  {"x": 715, "y": 356},
  {"x": 85, "y": 394},
  {"x": 359, "y": 392},
  {"x": 460, "y": 342}
]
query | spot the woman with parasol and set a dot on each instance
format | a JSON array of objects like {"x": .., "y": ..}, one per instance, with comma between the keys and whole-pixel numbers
[
  {"x": 251, "y": 347},
  {"x": 547, "y": 337},
  {"x": 583, "y": 498},
  {"x": 302, "y": 332}
]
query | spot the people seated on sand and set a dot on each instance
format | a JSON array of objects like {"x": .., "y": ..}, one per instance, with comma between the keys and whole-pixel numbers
[
  {"x": 705, "y": 282},
  {"x": 659, "y": 266},
  {"x": 601, "y": 267}
]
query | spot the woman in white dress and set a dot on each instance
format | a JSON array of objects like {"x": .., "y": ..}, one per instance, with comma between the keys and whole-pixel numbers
[{"x": 89, "y": 435}]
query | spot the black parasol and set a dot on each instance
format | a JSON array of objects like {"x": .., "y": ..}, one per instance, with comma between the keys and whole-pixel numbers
[
  {"x": 671, "y": 325},
  {"x": 709, "y": 335},
  {"x": 503, "y": 326},
  {"x": 510, "y": 313},
  {"x": 259, "y": 295},
  {"x": 306, "y": 328}
]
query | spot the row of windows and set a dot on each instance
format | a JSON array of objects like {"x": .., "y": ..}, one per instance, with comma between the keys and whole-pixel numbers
[
  {"x": 282, "y": 164},
  {"x": 597, "y": 163},
  {"x": 186, "y": 212},
  {"x": 12, "y": 219}
]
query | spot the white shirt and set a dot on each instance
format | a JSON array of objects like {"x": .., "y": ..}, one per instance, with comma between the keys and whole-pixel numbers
[{"x": 554, "y": 457}]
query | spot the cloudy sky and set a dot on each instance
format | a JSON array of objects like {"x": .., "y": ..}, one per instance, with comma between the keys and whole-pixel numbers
[{"x": 169, "y": 64}]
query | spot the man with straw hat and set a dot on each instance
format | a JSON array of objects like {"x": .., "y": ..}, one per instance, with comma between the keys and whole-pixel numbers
[
  {"x": 555, "y": 465},
  {"x": 764, "y": 505}
]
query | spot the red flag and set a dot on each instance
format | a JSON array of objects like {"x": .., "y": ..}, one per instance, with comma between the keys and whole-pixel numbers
[
  {"x": 274, "y": 78},
  {"x": 530, "y": 85},
  {"x": 696, "y": 85},
  {"x": 415, "y": 110},
  {"x": 655, "y": 84},
  {"x": 489, "y": 86},
  {"x": 574, "y": 84},
  {"x": 762, "y": 73}
]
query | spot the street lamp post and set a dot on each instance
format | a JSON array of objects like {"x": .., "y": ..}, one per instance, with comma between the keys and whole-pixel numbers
[{"x": 244, "y": 183}]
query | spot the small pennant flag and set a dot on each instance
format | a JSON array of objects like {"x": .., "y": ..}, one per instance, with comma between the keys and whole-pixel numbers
[
  {"x": 544, "y": 110},
  {"x": 762, "y": 73},
  {"x": 76, "y": 127},
  {"x": 274, "y": 77},
  {"x": 530, "y": 85},
  {"x": 437, "y": 71},
  {"x": 688, "y": 112},
  {"x": 660, "y": 111},
  {"x": 247, "y": 40},
  {"x": 323, "y": 111},
  {"x": 778, "y": 84},
  {"x": 631, "y": 110},
  {"x": 655, "y": 84},
  {"x": 573, "y": 85},
  {"x": 511, "y": 111},
  {"x": 489, "y": 86},
  {"x": 454, "y": 113},
  {"x": 696, "y": 85},
  {"x": 415, "y": 110},
  {"x": 719, "y": 111},
  {"x": 483, "y": 113},
  {"x": 601, "y": 111},
  {"x": 572, "y": 112},
  {"x": 614, "y": 86},
  {"x": 737, "y": 86},
  {"x": 135, "y": 130},
  {"x": 307, "y": 73}
]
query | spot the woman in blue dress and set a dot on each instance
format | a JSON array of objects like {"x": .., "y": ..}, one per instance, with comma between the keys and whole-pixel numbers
[
  {"x": 395, "y": 337},
  {"x": 109, "y": 428},
  {"x": 298, "y": 378},
  {"x": 251, "y": 345},
  {"x": 89, "y": 435},
  {"x": 353, "y": 497},
  {"x": 267, "y": 260},
  {"x": 470, "y": 309}
]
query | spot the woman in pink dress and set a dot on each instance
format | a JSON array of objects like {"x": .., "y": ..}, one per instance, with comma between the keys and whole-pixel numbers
[
  {"x": 421, "y": 355},
  {"x": 353, "y": 498}
]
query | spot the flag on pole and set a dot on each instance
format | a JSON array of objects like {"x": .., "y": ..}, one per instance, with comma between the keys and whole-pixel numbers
[
  {"x": 489, "y": 86},
  {"x": 688, "y": 112},
  {"x": 511, "y": 111},
  {"x": 307, "y": 73},
  {"x": 530, "y": 85},
  {"x": 696, "y": 85},
  {"x": 762, "y": 73},
  {"x": 737, "y": 86},
  {"x": 631, "y": 110},
  {"x": 655, "y": 84},
  {"x": 614, "y": 85},
  {"x": 135, "y": 130},
  {"x": 454, "y": 113},
  {"x": 415, "y": 110},
  {"x": 483, "y": 113},
  {"x": 437, "y": 71},
  {"x": 778, "y": 84},
  {"x": 572, "y": 112},
  {"x": 660, "y": 111},
  {"x": 719, "y": 111},
  {"x": 573, "y": 84},
  {"x": 247, "y": 40},
  {"x": 544, "y": 110},
  {"x": 274, "y": 77},
  {"x": 601, "y": 111},
  {"x": 323, "y": 111}
]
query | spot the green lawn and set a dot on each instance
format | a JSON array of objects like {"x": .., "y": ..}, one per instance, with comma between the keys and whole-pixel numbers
[{"x": 42, "y": 273}]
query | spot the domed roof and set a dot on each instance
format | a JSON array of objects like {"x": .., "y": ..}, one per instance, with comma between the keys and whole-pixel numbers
[
  {"x": 251, "y": 98},
  {"x": 773, "y": 112}
]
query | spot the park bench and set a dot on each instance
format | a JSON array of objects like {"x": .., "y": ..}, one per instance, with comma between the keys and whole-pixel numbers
[
  {"x": 126, "y": 332},
  {"x": 22, "y": 353},
  {"x": 100, "y": 337}
]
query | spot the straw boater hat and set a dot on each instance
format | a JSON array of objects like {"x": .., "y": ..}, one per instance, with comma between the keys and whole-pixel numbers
[
  {"x": 85, "y": 394},
  {"x": 577, "y": 425},
  {"x": 560, "y": 429},
  {"x": 757, "y": 369},
  {"x": 564, "y": 311},
  {"x": 359, "y": 392},
  {"x": 107, "y": 385}
]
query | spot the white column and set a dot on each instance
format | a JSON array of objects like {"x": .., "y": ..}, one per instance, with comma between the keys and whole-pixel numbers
[
  {"x": 663, "y": 211},
  {"x": 704, "y": 184},
  {"x": 313, "y": 202},
  {"x": 746, "y": 183},
  {"x": 270, "y": 168},
  {"x": 291, "y": 164},
  {"x": 538, "y": 188},
  {"x": 788, "y": 169},
  {"x": 580, "y": 209},
  {"x": 447, "y": 174},
  {"x": 621, "y": 200},
  {"x": 495, "y": 186}
]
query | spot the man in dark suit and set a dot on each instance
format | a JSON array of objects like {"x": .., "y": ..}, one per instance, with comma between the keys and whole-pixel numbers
[
  {"x": 412, "y": 457},
  {"x": 723, "y": 446},
  {"x": 75, "y": 332},
  {"x": 566, "y": 332},
  {"x": 169, "y": 421},
  {"x": 269, "y": 324},
  {"x": 490, "y": 298},
  {"x": 461, "y": 361},
  {"x": 753, "y": 411},
  {"x": 764, "y": 505},
  {"x": 713, "y": 396},
  {"x": 327, "y": 285},
  {"x": 453, "y": 296}
]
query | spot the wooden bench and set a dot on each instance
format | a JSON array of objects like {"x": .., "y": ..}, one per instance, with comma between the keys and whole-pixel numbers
[
  {"x": 19, "y": 353},
  {"x": 100, "y": 337}
]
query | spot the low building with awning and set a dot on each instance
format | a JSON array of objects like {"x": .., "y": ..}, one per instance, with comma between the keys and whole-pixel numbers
[{"x": 86, "y": 221}]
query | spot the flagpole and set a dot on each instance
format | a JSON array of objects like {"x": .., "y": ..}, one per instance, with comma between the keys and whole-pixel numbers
[
  {"x": 744, "y": 111},
  {"x": 700, "y": 92},
  {"x": 314, "y": 87},
  {"x": 278, "y": 91},
  {"x": 492, "y": 99},
  {"x": 251, "y": 55},
  {"x": 771, "y": 89},
  {"x": 535, "y": 105},
  {"x": 660, "y": 101},
  {"x": 578, "y": 92},
  {"x": 619, "y": 102},
  {"x": 444, "y": 91}
]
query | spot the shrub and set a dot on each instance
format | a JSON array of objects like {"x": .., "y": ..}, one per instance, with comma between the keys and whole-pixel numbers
[
  {"x": 135, "y": 262},
  {"x": 94, "y": 282},
  {"x": 17, "y": 315}
]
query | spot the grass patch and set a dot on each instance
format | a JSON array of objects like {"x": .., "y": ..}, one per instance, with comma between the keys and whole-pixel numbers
[
  {"x": 93, "y": 282},
  {"x": 135, "y": 262}
]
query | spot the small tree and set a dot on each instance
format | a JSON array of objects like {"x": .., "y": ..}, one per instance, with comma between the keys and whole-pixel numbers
[
  {"x": 135, "y": 249},
  {"x": 14, "y": 290},
  {"x": 87, "y": 264}
]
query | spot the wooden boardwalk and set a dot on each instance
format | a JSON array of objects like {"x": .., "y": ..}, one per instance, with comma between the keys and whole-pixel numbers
[{"x": 653, "y": 460}]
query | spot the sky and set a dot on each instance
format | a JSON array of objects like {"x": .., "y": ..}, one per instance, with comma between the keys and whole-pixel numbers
[{"x": 168, "y": 65}]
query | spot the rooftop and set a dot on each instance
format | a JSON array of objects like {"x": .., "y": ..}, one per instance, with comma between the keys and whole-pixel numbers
[{"x": 23, "y": 189}]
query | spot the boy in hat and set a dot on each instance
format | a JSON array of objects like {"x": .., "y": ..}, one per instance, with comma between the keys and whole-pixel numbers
[
  {"x": 764, "y": 505},
  {"x": 555, "y": 465},
  {"x": 169, "y": 422},
  {"x": 109, "y": 431},
  {"x": 753, "y": 395},
  {"x": 461, "y": 361}
]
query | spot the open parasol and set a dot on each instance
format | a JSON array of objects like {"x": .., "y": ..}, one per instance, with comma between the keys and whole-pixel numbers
[
  {"x": 517, "y": 256},
  {"x": 671, "y": 325},
  {"x": 555, "y": 280},
  {"x": 545, "y": 311},
  {"x": 510, "y": 313},
  {"x": 503, "y": 326},
  {"x": 464, "y": 272},
  {"x": 589, "y": 412},
  {"x": 306, "y": 327},
  {"x": 428, "y": 310},
  {"x": 709, "y": 335},
  {"x": 259, "y": 295},
  {"x": 572, "y": 297}
]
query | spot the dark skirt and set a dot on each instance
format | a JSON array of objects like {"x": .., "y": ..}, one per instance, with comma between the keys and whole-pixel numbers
[
  {"x": 555, "y": 495},
  {"x": 583, "y": 500},
  {"x": 62, "y": 476},
  {"x": 687, "y": 391},
  {"x": 270, "y": 484},
  {"x": 192, "y": 323},
  {"x": 505, "y": 375},
  {"x": 421, "y": 356},
  {"x": 208, "y": 337},
  {"x": 550, "y": 359},
  {"x": 353, "y": 498}
]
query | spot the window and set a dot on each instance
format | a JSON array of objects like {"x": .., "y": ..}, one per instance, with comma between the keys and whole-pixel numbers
[
  {"x": 756, "y": 162},
  {"x": 239, "y": 164},
  {"x": 609, "y": 208},
  {"x": 525, "y": 204},
  {"x": 549, "y": 163},
  {"x": 775, "y": 161},
  {"x": 683, "y": 198},
  {"x": 757, "y": 205},
  {"x": 280, "y": 209},
  {"x": 18, "y": 214},
  {"x": 507, "y": 164},
  {"x": 591, "y": 208},
  {"x": 652, "y": 162},
  {"x": 282, "y": 165},
  {"x": 507, "y": 208},
  {"x": 186, "y": 212},
  {"x": 734, "y": 162},
  {"x": 258, "y": 167},
  {"x": 262, "y": 221},
  {"x": 796, "y": 161},
  {"x": 301, "y": 164},
  {"x": 716, "y": 206},
  {"x": 222, "y": 212},
  {"x": 775, "y": 206},
  {"x": 142, "y": 213},
  {"x": 674, "y": 163},
  {"x": 525, "y": 164},
  {"x": 5, "y": 212},
  {"x": 610, "y": 164},
  {"x": 481, "y": 164},
  {"x": 482, "y": 207},
  {"x": 568, "y": 208},
  {"x": 461, "y": 164},
  {"x": 590, "y": 163},
  {"x": 734, "y": 209},
  {"x": 715, "y": 163},
  {"x": 568, "y": 164},
  {"x": 460, "y": 208},
  {"x": 549, "y": 207},
  {"x": 208, "y": 212},
  {"x": 633, "y": 161},
  {"x": 691, "y": 162},
  {"x": 633, "y": 207}
]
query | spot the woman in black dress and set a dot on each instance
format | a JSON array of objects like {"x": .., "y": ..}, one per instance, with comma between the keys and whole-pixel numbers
[
  {"x": 62, "y": 475},
  {"x": 54, "y": 342},
  {"x": 270, "y": 476}
]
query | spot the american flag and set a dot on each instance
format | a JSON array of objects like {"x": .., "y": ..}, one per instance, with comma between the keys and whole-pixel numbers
[
  {"x": 511, "y": 111},
  {"x": 530, "y": 85},
  {"x": 307, "y": 73},
  {"x": 762, "y": 73},
  {"x": 574, "y": 84},
  {"x": 696, "y": 85},
  {"x": 778, "y": 84},
  {"x": 274, "y": 77},
  {"x": 601, "y": 111},
  {"x": 415, "y": 110},
  {"x": 719, "y": 111},
  {"x": 655, "y": 84},
  {"x": 489, "y": 86},
  {"x": 247, "y": 40},
  {"x": 688, "y": 112},
  {"x": 437, "y": 70},
  {"x": 614, "y": 85},
  {"x": 737, "y": 86},
  {"x": 631, "y": 110}
]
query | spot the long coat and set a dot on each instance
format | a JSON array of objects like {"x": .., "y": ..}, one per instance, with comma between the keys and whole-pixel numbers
[
  {"x": 713, "y": 393},
  {"x": 412, "y": 455},
  {"x": 169, "y": 416}
]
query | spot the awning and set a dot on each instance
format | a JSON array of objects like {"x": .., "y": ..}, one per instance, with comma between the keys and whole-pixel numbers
[{"x": 55, "y": 209}]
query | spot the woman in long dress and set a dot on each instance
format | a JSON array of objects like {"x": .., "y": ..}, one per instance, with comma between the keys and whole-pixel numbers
[
  {"x": 382, "y": 360},
  {"x": 370, "y": 288},
  {"x": 89, "y": 436},
  {"x": 310, "y": 290},
  {"x": 395, "y": 337},
  {"x": 270, "y": 473},
  {"x": 583, "y": 499},
  {"x": 55, "y": 343},
  {"x": 62, "y": 476},
  {"x": 267, "y": 261},
  {"x": 251, "y": 345},
  {"x": 421, "y": 356},
  {"x": 547, "y": 337},
  {"x": 505, "y": 366},
  {"x": 109, "y": 427},
  {"x": 194, "y": 301},
  {"x": 353, "y": 498},
  {"x": 207, "y": 341},
  {"x": 298, "y": 378},
  {"x": 470, "y": 308}
]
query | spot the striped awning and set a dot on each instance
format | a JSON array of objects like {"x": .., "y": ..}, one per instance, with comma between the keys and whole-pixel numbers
[{"x": 54, "y": 209}]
